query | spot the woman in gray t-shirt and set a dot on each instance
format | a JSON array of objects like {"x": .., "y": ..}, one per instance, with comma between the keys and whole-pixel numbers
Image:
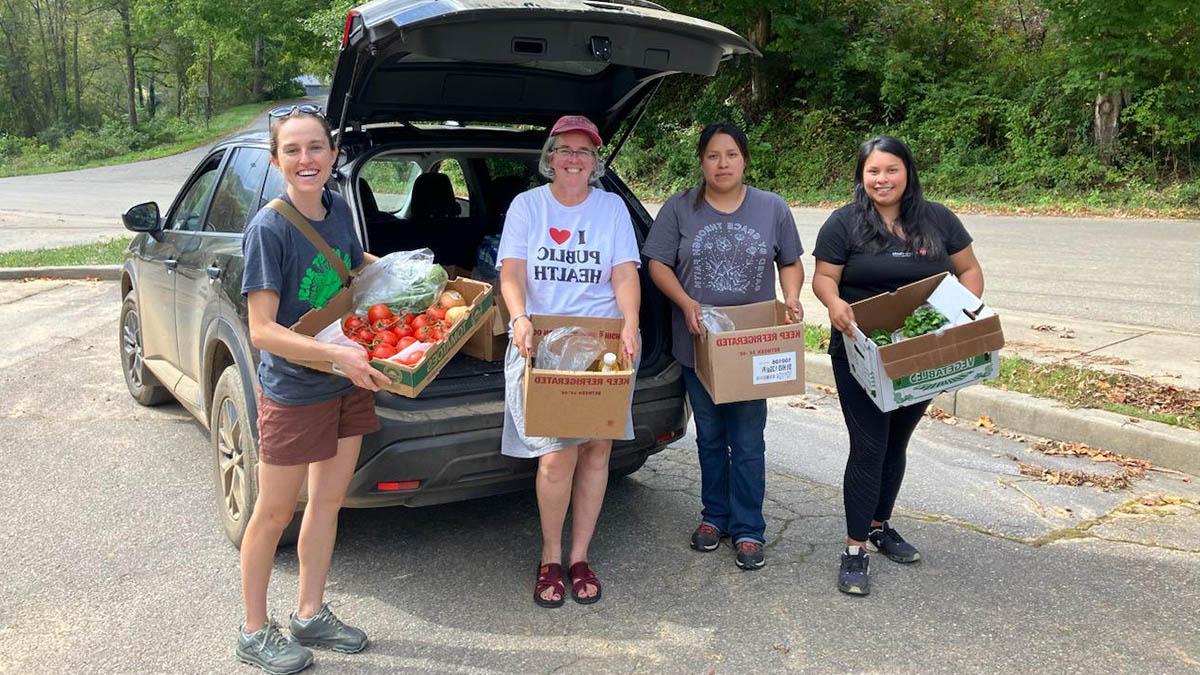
[{"x": 720, "y": 244}]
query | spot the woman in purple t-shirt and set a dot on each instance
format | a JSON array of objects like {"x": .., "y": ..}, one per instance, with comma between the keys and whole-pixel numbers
[{"x": 720, "y": 244}]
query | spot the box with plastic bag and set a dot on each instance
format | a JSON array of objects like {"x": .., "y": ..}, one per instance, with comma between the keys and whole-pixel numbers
[{"x": 572, "y": 398}]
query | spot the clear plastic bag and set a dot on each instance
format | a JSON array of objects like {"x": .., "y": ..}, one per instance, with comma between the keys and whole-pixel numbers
[
  {"x": 405, "y": 281},
  {"x": 514, "y": 401},
  {"x": 570, "y": 348},
  {"x": 715, "y": 320}
]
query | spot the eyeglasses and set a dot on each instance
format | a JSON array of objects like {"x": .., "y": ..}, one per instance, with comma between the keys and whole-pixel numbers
[
  {"x": 567, "y": 153},
  {"x": 289, "y": 110}
]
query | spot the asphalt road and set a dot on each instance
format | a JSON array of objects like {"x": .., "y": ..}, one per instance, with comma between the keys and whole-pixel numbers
[{"x": 111, "y": 559}]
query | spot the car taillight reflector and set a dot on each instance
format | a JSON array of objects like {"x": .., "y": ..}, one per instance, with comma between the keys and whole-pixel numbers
[
  {"x": 346, "y": 29},
  {"x": 396, "y": 485},
  {"x": 669, "y": 436}
]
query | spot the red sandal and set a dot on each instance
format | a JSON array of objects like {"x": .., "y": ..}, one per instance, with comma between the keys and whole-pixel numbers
[
  {"x": 549, "y": 576},
  {"x": 582, "y": 576}
]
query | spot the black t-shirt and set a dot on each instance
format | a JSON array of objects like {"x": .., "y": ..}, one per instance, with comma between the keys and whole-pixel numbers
[{"x": 867, "y": 274}]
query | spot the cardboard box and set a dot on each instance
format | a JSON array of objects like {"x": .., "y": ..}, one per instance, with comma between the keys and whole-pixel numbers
[
  {"x": 961, "y": 353},
  {"x": 484, "y": 344},
  {"x": 569, "y": 404},
  {"x": 763, "y": 358},
  {"x": 406, "y": 380}
]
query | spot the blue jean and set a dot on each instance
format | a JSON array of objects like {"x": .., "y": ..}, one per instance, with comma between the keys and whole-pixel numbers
[{"x": 733, "y": 465}]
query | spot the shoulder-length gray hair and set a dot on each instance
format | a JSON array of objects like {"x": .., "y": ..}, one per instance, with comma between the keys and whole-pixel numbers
[{"x": 547, "y": 171}]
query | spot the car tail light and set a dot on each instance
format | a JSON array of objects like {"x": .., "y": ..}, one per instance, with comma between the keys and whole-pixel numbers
[
  {"x": 669, "y": 436},
  {"x": 396, "y": 485},
  {"x": 349, "y": 22}
]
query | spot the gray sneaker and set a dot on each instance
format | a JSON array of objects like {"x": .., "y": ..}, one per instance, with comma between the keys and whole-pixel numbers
[
  {"x": 269, "y": 649},
  {"x": 326, "y": 631}
]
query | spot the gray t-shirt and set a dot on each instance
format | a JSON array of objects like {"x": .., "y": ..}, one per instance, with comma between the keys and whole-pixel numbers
[
  {"x": 279, "y": 258},
  {"x": 722, "y": 258}
]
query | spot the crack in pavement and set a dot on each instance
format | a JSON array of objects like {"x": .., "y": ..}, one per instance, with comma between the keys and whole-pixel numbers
[
  {"x": 31, "y": 295},
  {"x": 1080, "y": 531}
]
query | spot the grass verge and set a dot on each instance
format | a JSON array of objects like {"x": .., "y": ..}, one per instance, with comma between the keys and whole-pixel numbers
[
  {"x": 107, "y": 252},
  {"x": 1127, "y": 395}
]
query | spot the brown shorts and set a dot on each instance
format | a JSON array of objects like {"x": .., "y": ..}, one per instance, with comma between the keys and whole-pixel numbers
[{"x": 299, "y": 434}]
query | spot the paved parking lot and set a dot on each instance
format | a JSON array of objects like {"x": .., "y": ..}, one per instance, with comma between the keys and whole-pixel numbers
[{"x": 111, "y": 559}]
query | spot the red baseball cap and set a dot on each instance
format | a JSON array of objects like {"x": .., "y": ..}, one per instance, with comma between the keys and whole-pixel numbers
[{"x": 578, "y": 123}]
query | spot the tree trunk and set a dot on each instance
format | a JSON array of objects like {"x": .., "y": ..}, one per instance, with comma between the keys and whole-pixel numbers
[
  {"x": 208, "y": 85},
  {"x": 153, "y": 107},
  {"x": 78, "y": 87},
  {"x": 130, "y": 72},
  {"x": 1107, "y": 110},
  {"x": 760, "y": 35},
  {"x": 256, "y": 90},
  {"x": 180, "y": 91}
]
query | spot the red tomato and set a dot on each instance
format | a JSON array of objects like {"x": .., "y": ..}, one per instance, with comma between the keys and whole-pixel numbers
[
  {"x": 436, "y": 313},
  {"x": 377, "y": 312},
  {"x": 382, "y": 351},
  {"x": 364, "y": 336},
  {"x": 402, "y": 331},
  {"x": 407, "y": 319},
  {"x": 387, "y": 337},
  {"x": 380, "y": 325},
  {"x": 351, "y": 324},
  {"x": 413, "y": 358},
  {"x": 424, "y": 333},
  {"x": 405, "y": 342},
  {"x": 419, "y": 320}
]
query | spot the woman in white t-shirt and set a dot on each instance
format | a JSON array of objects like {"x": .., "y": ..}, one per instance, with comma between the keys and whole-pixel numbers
[{"x": 568, "y": 249}]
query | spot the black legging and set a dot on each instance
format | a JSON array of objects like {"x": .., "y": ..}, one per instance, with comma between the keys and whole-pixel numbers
[{"x": 878, "y": 442}]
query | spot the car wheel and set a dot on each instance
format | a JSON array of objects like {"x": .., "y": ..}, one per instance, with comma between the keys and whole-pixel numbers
[
  {"x": 236, "y": 459},
  {"x": 142, "y": 385}
]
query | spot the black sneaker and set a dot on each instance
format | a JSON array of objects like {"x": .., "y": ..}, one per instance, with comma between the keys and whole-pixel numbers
[
  {"x": 750, "y": 555},
  {"x": 854, "y": 576},
  {"x": 706, "y": 538},
  {"x": 271, "y": 651},
  {"x": 889, "y": 542}
]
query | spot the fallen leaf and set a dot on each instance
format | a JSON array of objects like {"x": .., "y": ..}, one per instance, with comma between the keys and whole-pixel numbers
[
  {"x": 801, "y": 402},
  {"x": 984, "y": 422}
]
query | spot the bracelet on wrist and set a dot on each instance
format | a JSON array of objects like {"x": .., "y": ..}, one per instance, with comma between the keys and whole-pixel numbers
[{"x": 513, "y": 321}]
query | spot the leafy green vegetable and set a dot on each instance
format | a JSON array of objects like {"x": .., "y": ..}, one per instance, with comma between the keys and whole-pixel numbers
[
  {"x": 881, "y": 337},
  {"x": 923, "y": 320}
]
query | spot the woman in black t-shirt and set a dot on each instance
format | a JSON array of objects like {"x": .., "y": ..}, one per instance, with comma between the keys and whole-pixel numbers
[{"x": 889, "y": 236}]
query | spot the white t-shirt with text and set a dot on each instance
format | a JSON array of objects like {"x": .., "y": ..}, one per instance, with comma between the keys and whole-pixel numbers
[{"x": 569, "y": 251}]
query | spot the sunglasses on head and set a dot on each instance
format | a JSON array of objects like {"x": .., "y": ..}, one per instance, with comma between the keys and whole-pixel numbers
[{"x": 289, "y": 110}]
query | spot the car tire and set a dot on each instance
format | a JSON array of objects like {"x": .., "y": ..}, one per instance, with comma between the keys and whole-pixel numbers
[
  {"x": 235, "y": 460},
  {"x": 142, "y": 385}
]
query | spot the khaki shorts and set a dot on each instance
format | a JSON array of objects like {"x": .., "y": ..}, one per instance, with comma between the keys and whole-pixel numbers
[{"x": 300, "y": 434}]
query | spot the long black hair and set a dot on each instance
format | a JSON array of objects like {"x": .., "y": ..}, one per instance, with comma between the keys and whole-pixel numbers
[
  {"x": 869, "y": 231},
  {"x": 729, "y": 129}
]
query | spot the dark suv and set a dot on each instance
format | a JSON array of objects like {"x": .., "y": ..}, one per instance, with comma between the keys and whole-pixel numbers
[{"x": 414, "y": 179}]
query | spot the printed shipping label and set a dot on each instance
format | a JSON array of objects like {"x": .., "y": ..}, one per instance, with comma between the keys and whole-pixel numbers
[{"x": 775, "y": 368}]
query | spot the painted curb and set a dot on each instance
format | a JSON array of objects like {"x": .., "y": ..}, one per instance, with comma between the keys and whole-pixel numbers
[
  {"x": 101, "y": 272},
  {"x": 1164, "y": 445}
]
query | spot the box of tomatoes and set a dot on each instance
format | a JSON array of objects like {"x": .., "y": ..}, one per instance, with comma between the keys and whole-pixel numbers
[{"x": 410, "y": 347}]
